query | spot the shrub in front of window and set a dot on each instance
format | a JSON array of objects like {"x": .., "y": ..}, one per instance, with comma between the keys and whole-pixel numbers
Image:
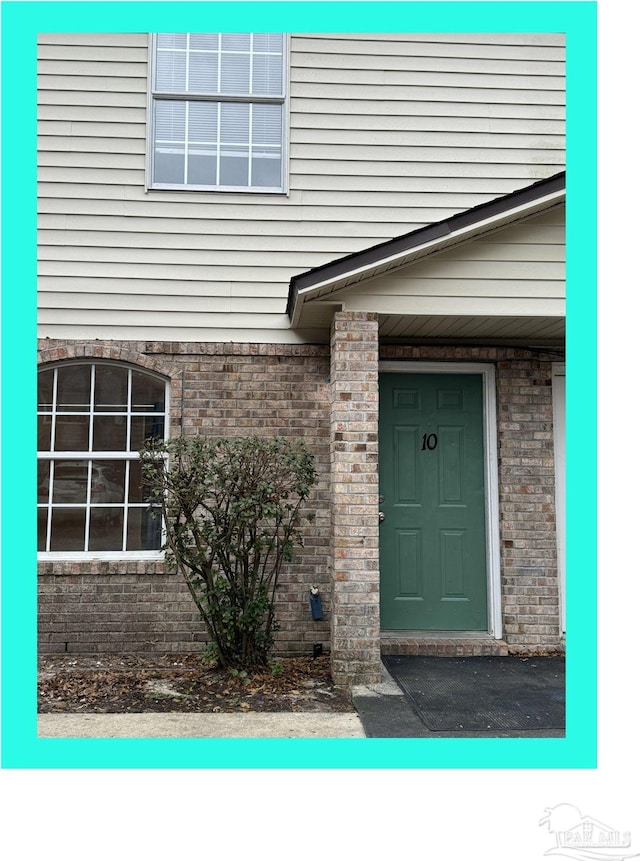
[{"x": 233, "y": 512}]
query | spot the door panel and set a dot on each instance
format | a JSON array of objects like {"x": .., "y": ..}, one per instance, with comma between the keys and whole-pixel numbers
[
  {"x": 432, "y": 540},
  {"x": 408, "y": 547}
]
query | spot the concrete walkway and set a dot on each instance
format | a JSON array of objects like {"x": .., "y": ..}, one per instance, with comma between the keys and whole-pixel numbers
[{"x": 179, "y": 725}]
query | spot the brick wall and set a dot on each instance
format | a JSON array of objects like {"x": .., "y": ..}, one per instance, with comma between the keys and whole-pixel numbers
[
  {"x": 113, "y": 607},
  {"x": 218, "y": 389},
  {"x": 527, "y": 500},
  {"x": 239, "y": 389}
]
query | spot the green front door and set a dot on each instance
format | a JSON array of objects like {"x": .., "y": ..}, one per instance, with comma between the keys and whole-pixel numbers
[{"x": 433, "y": 570}]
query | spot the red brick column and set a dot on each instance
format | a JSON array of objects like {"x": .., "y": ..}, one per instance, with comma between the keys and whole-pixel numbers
[{"x": 355, "y": 616}]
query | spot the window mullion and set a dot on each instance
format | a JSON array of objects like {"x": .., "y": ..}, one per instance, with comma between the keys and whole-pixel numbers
[
  {"x": 125, "y": 518},
  {"x": 250, "y": 146},
  {"x": 187, "y": 63},
  {"x": 127, "y": 467},
  {"x": 47, "y": 543},
  {"x": 87, "y": 508},
  {"x": 129, "y": 391},
  {"x": 218, "y": 143},
  {"x": 251, "y": 64},
  {"x": 92, "y": 403},
  {"x": 186, "y": 144},
  {"x": 219, "y": 81},
  {"x": 54, "y": 410}
]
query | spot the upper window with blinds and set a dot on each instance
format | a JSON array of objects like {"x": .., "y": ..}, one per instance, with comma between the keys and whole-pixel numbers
[{"x": 218, "y": 111}]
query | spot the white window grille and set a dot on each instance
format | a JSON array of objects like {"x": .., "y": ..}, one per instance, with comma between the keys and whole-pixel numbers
[
  {"x": 218, "y": 111},
  {"x": 93, "y": 418}
]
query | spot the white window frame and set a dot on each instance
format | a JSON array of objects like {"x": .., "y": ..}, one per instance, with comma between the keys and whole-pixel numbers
[
  {"x": 89, "y": 457},
  {"x": 154, "y": 96}
]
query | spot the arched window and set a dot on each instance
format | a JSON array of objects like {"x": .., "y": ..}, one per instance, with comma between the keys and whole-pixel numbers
[{"x": 92, "y": 420}]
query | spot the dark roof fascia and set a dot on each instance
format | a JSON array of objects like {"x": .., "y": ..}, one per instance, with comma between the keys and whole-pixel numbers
[{"x": 415, "y": 238}]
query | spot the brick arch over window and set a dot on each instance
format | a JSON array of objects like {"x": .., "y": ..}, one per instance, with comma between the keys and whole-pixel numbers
[{"x": 56, "y": 352}]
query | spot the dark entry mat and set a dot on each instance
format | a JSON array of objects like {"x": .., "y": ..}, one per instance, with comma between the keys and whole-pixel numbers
[{"x": 483, "y": 694}]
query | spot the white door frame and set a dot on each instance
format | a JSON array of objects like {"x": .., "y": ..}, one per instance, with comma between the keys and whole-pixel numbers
[
  {"x": 492, "y": 520},
  {"x": 558, "y": 393}
]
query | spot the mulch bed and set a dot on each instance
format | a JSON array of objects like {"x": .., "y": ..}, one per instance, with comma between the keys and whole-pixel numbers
[{"x": 183, "y": 683}]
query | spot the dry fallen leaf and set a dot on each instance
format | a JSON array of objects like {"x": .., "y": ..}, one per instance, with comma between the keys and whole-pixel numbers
[{"x": 120, "y": 684}]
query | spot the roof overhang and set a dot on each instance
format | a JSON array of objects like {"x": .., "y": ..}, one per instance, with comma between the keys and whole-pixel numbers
[{"x": 328, "y": 283}]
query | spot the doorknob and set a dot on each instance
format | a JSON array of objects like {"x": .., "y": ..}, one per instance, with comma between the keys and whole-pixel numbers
[{"x": 381, "y": 516}]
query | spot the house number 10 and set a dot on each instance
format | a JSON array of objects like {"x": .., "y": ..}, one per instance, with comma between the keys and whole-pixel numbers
[{"x": 429, "y": 441}]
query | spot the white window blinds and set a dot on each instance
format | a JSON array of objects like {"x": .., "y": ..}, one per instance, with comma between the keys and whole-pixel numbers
[{"x": 218, "y": 110}]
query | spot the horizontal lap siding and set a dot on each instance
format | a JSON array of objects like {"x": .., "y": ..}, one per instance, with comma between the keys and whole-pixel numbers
[
  {"x": 514, "y": 262},
  {"x": 516, "y": 271},
  {"x": 464, "y": 119}
]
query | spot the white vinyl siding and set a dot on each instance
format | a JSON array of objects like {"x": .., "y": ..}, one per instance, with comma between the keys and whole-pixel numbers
[
  {"x": 387, "y": 133},
  {"x": 518, "y": 270}
]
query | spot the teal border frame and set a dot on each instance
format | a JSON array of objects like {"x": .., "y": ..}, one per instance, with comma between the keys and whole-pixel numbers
[{"x": 21, "y": 22}]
